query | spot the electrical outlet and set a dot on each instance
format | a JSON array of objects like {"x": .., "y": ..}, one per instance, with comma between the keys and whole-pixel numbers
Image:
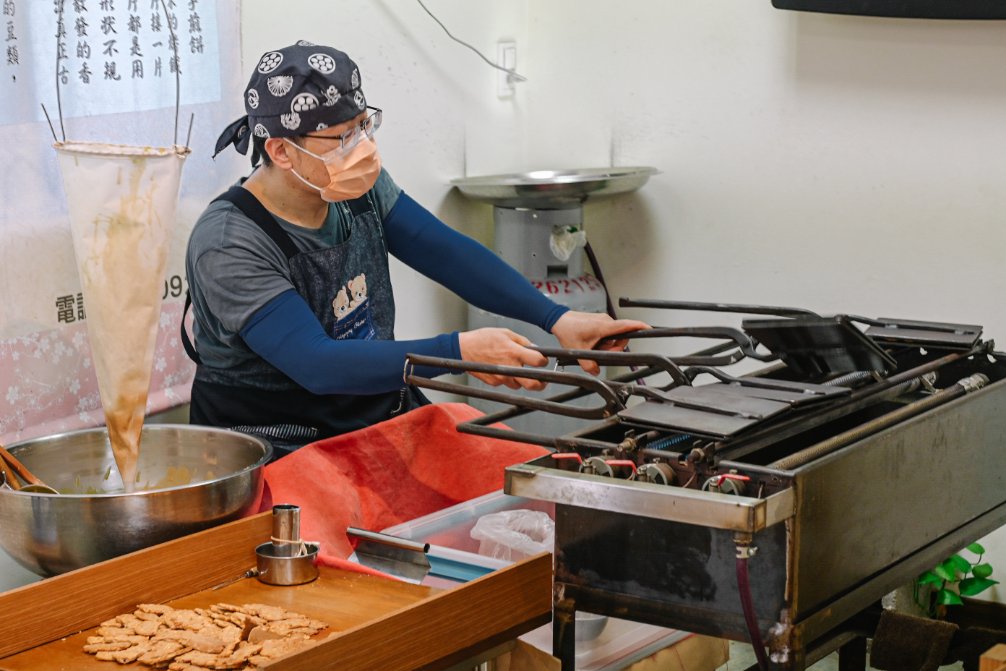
[{"x": 506, "y": 57}]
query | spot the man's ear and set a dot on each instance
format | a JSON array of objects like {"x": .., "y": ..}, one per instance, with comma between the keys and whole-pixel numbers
[{"x": 278, "y": 151}]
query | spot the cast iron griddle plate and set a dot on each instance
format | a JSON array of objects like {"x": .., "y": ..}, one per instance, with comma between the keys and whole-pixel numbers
[{"x": 817, "y": 347}]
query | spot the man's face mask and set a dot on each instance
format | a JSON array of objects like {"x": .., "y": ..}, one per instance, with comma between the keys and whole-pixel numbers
[{"x": 350, "y": 174}]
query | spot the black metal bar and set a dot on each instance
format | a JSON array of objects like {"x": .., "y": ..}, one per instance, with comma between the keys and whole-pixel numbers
[
  {"x": 818, "y": 650},
  {"x": 736, "y": 336},
  {"x": 852, "y": 655},
  {"x": 910, "y": 374},
  {"x": 743, "y": 467},
  {"x": 709, "y": 351},
  {"x": 557, "y": 442},
  {"x": 612, "y": 402},
  {"x": 716, "y": 307},
  {"x": 570, "y": 356},
  {"x": 564, "y": 633},
  {"x": 508, "y": 413},
  {"x": 529, "y": 402}
]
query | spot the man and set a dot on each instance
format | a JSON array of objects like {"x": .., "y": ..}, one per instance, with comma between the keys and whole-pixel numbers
[{"x": 288, "y": 271}]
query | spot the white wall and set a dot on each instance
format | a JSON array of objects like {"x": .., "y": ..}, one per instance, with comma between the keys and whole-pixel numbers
[{"x": 837, "y": 163}]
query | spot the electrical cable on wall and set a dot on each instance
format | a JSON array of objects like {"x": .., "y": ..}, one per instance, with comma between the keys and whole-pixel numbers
[
  {"x": 511, "y": 72},
  {"x": 596, "y": 267}
]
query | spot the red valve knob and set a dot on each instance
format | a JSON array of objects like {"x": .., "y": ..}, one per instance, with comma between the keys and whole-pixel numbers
[{"x": 730, "y": 476}]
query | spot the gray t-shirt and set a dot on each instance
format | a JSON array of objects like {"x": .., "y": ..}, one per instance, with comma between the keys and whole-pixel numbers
[{"x": 234, "y": 268}]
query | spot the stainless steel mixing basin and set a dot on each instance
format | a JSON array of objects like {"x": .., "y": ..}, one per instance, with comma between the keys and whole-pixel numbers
[{"x": 189, "y": 478}]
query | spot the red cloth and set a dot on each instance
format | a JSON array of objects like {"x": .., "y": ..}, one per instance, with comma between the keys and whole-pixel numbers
[{"x": 389, "y": 473}]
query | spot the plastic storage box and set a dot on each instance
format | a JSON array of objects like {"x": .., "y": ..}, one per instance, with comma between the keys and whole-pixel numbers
[{"x": 454, "y": 557}]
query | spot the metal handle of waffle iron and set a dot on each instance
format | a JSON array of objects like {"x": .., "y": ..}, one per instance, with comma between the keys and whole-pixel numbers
[
  {"x": 743, "y": 342},
  {"x": 612, "y": 402},
  {"x": 774, "y": 311},
  {"x": 565, "y": 357},
  {"x": 771, "y": 310},
  {"x": 484, "y": 425}
]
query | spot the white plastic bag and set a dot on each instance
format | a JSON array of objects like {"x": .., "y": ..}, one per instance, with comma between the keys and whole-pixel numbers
[
  {"x": 512, "y": 535},
  {"x": 565, "y": 240}
]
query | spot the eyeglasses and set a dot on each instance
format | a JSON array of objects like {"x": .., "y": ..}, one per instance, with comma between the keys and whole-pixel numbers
[{"x": 352, "y": 137}]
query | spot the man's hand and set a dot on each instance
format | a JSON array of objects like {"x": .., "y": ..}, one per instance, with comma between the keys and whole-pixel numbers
[
  {"x": 501, "y": 347},
  {"x": 582, "y": 330}
]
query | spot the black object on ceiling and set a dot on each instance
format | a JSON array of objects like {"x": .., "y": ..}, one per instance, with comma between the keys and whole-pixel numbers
[{"x": 914, "y": 9}]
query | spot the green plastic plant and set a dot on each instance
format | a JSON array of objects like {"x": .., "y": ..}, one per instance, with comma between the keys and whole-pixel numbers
[{"x": 952, "y": 579}]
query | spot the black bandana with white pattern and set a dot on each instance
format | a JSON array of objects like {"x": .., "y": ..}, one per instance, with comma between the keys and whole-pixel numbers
[{"x": 300, "y": 89}]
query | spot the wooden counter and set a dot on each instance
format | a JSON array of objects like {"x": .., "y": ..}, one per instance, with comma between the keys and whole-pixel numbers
[{"x": 375, "y": 623}]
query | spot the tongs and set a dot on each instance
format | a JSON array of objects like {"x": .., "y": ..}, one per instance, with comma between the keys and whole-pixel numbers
[{"x": 11, "y": 469}]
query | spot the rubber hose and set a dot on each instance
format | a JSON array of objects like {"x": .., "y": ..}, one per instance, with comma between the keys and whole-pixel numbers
[{"x": 750, "y": 619}]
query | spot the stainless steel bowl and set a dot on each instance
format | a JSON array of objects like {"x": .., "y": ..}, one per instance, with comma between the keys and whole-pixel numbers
[
  {"x": 189, "y": 478},
  {"x": 589, "y": 626}
]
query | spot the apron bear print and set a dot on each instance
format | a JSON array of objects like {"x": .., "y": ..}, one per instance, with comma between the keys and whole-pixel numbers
[{"x": 352, "y": 311}]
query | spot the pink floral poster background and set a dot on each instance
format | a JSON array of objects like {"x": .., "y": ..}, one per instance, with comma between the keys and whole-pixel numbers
[{"x": 50, "y": 387}]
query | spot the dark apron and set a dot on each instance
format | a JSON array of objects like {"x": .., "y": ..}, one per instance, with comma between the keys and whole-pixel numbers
[{"x": 348, "y": 287}]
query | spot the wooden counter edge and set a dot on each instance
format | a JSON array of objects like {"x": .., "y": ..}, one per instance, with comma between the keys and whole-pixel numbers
[
  {"x": 442, "y": 629},
  {"x": 68, "y": 603}
]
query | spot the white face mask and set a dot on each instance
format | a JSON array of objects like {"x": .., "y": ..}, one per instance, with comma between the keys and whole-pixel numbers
[{"x": 350, "y": 175}]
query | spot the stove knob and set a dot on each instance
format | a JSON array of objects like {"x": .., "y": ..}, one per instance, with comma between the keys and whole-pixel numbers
[
  {"x": 596, "y": 466},
  {"x": 729, "y": 483},
  {"x": 657, "y": 473}
]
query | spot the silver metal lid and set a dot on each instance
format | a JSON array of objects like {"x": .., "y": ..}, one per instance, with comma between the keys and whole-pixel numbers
[{"x": 553, "y": 188}]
